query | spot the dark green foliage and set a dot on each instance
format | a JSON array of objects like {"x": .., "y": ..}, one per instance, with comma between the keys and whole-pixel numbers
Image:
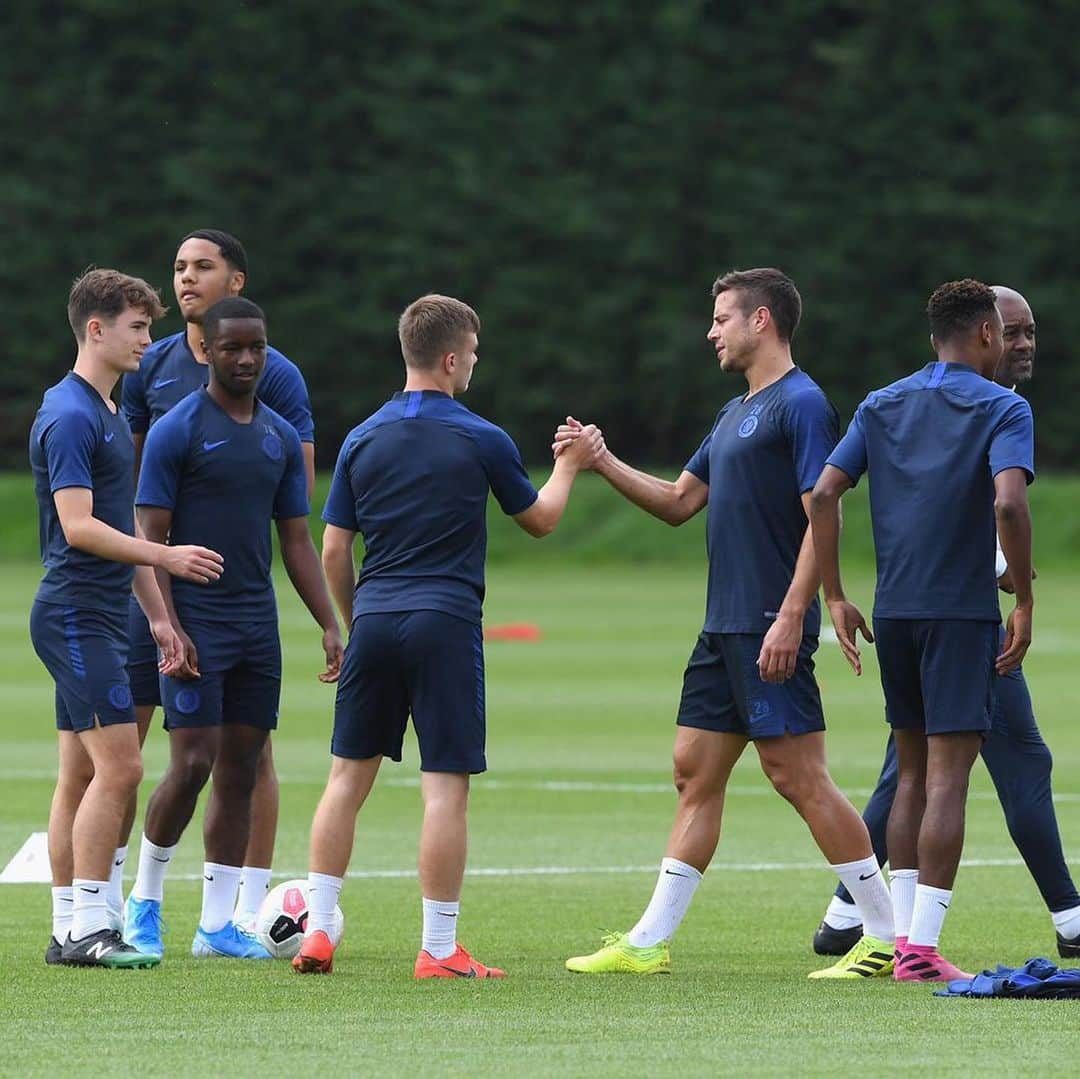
[{"x": 579, "y": 172}]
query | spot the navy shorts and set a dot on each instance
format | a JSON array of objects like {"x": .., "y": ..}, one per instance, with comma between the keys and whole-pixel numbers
[
  {"x": 424, "y": 663},
  {"x": 240, "y": 677},
  {"x": 84, "y": 651},
  {"x": 723, "y": 691},
  {"x": 937, "y": 674},
  {"x": 142, "y": 662}
]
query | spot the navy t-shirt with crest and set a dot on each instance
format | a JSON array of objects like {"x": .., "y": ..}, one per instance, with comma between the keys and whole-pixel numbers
[
  {"x": 168, "y": 372},
  {"x": 77, "y": 441},
  {"x": 225, "y": 482},
  {"x": 763, "y": 453}
]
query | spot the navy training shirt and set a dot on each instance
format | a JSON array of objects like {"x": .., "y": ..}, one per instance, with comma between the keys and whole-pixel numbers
[
  {"x": 413, "y": 480},
  {"x": 224, "y": 482},
  {"x": 169, "y": 372},
  {"x": 77, "y": 441},
  {"x": 932, "y": 444},
  {"x": 762, "y": 454}
]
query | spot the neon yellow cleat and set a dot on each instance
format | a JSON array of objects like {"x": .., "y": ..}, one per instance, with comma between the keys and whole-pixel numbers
[
  {"x": 619, "y": 956},
  {"x": 870, "y": 958}
]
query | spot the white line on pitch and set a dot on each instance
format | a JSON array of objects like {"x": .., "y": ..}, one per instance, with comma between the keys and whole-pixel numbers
[
  {"x": 556, "y": 786},
  {"x": 602, "y": 870}
]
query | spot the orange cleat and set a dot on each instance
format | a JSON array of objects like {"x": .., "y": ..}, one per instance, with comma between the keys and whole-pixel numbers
[
  {"x": 458, "y": 965},
  {"x": 316, "y": 955}
]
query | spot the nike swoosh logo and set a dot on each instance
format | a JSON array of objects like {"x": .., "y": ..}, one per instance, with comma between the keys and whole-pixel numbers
[
  {"x": 162, "y": 382},
  {"x": 205, "y": 877},
  {"x": 945, "y": 905},
  {"x": 156, "y": 859},
  {"x": 121, "y": 862},
  {"x": 214, "y": 445},
  {"x": 92, "y": 891},
  {"x": 867, "y": 877},
  {"x": 446, "y": 915},
  {"x": 672, "y": 873},
  {"x": 459, "y": 973},
  {"x": 110, "y": 436}
]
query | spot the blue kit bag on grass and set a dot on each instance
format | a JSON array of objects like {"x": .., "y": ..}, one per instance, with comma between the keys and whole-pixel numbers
[{"x": 1037, "y": 979}]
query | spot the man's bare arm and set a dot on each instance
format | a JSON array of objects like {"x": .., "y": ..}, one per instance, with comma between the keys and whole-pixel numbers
[
  {"x": 780, "y": 648},
  {"x": 340, "y": 570},
  {"x": 1014, "y": 532},
  {"x": 75, "y": 509}
]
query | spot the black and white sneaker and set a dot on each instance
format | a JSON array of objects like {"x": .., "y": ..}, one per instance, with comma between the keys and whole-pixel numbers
[
  {"x": 1068, "y": 948},
  {"x": 54, "y": 953},
  {"x": 105, "y": 948},
  {"x": 829, "y": 941}
]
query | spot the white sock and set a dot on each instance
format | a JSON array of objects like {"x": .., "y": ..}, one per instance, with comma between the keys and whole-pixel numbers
[
  {"x": 62, "y": 908},
  {"x": 254, "y": 884},
  {"x": 89, "y": 914},
  {"x": 1066, "y": 922},
  {"x": 153, "y": 863},
  {"x": 842, "y": 914},
  {"x": 903, "y": 898},
  {"x": 440, "y": 928},
  {"x": 323, "y": 892},
  {"x": 675, "y": 888},
  {"x": 867, "y": 886},
  {"x": 220, "y": 884},
  {"x": 931, "y": 906},
  {"x": 116, "y": 879}
]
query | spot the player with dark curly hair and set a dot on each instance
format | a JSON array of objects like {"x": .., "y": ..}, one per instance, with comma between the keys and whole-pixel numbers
[{"x": 948, "y": 451}]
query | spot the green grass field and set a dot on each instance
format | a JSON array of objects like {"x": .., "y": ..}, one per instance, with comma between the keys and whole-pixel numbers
[{"x": 567, "y": 829}]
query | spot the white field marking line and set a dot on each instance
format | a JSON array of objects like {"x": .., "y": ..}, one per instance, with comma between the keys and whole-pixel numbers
[
  {"x": 555, "y": 786},
  {"x": 601, "y": 870}
]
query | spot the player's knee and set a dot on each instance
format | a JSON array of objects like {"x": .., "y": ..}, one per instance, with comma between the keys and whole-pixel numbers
[
  {"x": 75, "y": 778},
  {"x": 946, "y": 789},
  {"x": 191, "y": 771},
  {"x": 788, "y": 782},
  {"x": 447, "y": 799},
  {"x": 911, "y": 790},
  {"x": 264, "y": 767},
  {"x": 122, "y": 772},
  {"x": 236, "y": 778},
  {"x": 686, "y": 775},
  {"x": 1043, "y": 759}
]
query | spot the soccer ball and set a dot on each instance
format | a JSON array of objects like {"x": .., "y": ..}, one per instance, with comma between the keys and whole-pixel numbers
[{"x": 283, "y": 916}]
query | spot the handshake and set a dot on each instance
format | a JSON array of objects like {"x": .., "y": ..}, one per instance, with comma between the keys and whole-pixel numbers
[{"x": 581, "y": 445}]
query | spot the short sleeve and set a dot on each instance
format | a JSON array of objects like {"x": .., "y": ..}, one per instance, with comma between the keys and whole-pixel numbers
[
  {"x": 1012, "y": 445},
  {"x": 698, "y": 465},
  {"x": 284, "y": 390},
  {"x": 340, "y": 508},
  {"x": 133, "y": 402},
  {"x": 69, "y": 443},
  {"x": 162, "y": 465},
  {"x": 291, "y": 499},
  {"x": 813, "y": 430},
  {"x": 509, "y": 482},
  {"x": 850, "y": 453}
]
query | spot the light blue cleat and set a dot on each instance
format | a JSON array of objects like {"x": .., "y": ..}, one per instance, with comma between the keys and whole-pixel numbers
[
  {"x": 143, "y": 926},
  {"x": 229, "y": 942}
]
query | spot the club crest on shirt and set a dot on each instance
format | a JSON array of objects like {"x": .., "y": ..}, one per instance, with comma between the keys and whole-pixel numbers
[
  {"x": 750, "y": 424},
  {"x": 272, "y": 446}
]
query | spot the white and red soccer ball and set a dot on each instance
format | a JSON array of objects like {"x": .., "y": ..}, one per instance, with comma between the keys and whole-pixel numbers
[{"x": 282, "y": 919}]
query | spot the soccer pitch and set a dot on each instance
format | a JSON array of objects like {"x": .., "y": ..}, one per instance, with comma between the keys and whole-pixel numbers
[{"x": 567, "y": 829}]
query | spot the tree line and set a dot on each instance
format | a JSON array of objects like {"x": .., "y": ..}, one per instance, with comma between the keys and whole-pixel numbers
[{"x": 578, "y": 172}]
